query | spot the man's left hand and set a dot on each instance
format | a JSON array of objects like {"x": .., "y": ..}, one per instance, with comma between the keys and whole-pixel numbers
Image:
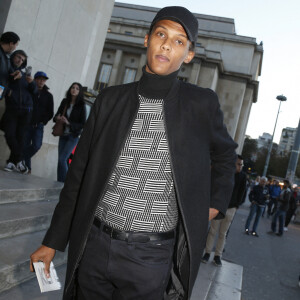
[{"x": 213, "y": 213}]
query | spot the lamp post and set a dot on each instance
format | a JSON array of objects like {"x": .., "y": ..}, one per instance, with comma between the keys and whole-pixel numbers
[{"x": 280, "y": 98}]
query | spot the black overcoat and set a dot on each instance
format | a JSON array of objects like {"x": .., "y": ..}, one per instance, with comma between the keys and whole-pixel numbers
[{"x": 202, "y": 157}]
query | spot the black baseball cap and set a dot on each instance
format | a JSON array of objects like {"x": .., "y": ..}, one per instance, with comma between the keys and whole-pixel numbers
[{"x": 180, "y": 15}]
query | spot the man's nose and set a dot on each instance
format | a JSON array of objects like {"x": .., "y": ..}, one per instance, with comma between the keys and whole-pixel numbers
[{"x": 166, "y": 45}]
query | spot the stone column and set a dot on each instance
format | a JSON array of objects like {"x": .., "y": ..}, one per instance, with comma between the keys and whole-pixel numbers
[
  {"x": 142, "y": 62},
  {"x": 195, "y": 73},
  {"x": 115, "y": 68},
  {"x": 231, "y": 96},
  {"x": 243, "y": 119},
  {"x": 208, "y": 76}
]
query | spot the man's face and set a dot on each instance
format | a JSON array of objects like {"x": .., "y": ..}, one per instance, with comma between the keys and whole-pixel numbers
[
  {"x": 168, "y": 47},
  {"x": 18, "y": 60},
  {"x": 262, "y": 182},
  {"x": 40, "y": 82},
  {"x": 12, "y": 47},
  {"x": 239, "y": 165}
]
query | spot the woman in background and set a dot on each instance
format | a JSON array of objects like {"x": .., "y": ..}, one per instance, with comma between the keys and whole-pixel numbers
[{"x": 72, "y": 112}]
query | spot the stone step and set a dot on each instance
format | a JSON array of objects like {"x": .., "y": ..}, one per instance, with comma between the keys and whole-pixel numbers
[
  {"x": 15, "y": 257},
  {"x": 25, "y": 217},
  {"x": 213, "y": 283},
  {"x": 16, "y": 187}
]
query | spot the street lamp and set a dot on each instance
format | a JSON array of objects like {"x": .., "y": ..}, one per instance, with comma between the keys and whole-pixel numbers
[{"x": 280, "y": 98}]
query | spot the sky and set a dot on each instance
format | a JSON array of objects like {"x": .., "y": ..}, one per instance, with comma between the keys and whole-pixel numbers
[{"x": 277, "y": 24}]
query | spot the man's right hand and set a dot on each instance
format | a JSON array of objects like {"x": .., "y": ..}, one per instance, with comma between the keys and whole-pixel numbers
[{"x": 44, "y": 254}]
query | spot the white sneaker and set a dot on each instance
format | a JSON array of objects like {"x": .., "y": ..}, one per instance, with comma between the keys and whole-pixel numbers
[
  {"x": 10, "y": 167},
  {"x": 22, "y": 168},
  {"x": 285, "y": 229}
]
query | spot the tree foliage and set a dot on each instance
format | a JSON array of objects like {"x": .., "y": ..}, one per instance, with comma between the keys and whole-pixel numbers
[{"x": 255, "y": 159}]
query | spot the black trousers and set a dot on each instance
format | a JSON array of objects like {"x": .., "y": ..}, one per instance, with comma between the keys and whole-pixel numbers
[
  {"x": 119, "y": 270},
  {"x": 14, "y": 125}
]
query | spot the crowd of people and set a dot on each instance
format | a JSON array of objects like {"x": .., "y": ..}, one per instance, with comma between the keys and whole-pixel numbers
[
  {"x": 279, "y": 202},
  {"x": 29, "y": 107},
  {"x": 265, "y": 195}
]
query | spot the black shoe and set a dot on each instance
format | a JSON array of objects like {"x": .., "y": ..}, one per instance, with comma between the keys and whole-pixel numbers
[
  {"x": 254, "y": 233},
  {"x": 279, "y": 234},
  {"x": 271, "y": 232},
  {"x": 217, "y": 261},
  {"x": 205, "y": 258},
  {"x": 247, "y": 231}
]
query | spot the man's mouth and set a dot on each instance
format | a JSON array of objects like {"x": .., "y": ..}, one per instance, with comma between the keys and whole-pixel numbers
[{"x": 162, "y": 58}]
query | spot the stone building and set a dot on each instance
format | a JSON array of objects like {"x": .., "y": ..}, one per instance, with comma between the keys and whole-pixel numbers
[
  {"x": 65, "y": 39},
  {"x": 264, "y": 140},
  {"x": 225, "y": 62},
  {"x": 287, "y": 140}
]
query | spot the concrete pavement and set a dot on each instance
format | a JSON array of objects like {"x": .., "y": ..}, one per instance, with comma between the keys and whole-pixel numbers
[{"x": 271, "y": 263}]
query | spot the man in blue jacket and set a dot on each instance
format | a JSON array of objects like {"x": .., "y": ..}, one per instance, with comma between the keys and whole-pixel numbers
[
  {"x": 41, "y": 114},
  {"x": 274, "y": 191},
  {"x": 18, "y": 109}
]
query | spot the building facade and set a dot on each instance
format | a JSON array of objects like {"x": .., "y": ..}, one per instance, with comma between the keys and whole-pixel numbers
[
  {"x": 225, "y": 62},
  {"x": 287, "y": 140},
  {"x": 264, "y": 140}
]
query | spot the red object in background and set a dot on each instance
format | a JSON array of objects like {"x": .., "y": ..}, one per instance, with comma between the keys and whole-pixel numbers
[{"x": 71, "y": 155}]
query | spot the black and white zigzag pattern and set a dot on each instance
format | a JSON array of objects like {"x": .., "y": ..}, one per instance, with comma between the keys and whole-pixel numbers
[{"x": 140, "y": 194}]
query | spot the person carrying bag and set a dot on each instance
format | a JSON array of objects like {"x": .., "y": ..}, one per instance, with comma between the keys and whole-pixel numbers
[{"x": 59, "y": 126}]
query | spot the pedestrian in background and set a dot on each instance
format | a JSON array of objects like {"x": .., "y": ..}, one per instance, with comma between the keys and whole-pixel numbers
[
  {"x": 220, "y": 227},
  {"x": 293, "y": 204},
  {"x": 42, "y": 113},
  {"x": 18, "y": 109},
  {"x": 274, "y": 191},
  {"x": 8, "y": 43},
  {"x": 72, "y": 113},
  {"x": 283, "y": 205},
  {"x": 258, "y": 197}
]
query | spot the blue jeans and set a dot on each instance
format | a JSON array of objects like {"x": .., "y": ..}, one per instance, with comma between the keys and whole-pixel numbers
[
  {"x": 279, "y": 214},
  {"x": 254, "y": 209},
  {"x": 66, "y": 145},
  {"x": 33, "y": 142}
]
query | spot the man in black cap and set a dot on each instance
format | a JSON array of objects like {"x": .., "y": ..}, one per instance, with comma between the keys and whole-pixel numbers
[
  {"x": 41, "y": 114},
  {"x": 153, "y": 165}
]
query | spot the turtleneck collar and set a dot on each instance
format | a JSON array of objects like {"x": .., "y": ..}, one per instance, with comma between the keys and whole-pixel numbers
[{"x": 156, "y": 86}]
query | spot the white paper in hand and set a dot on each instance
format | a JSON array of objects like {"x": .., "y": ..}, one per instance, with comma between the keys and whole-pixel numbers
[{"x": 46, "y": 284}]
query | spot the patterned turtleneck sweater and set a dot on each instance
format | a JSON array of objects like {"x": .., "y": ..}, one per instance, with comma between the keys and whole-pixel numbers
[{"x": 140, "y": 194}]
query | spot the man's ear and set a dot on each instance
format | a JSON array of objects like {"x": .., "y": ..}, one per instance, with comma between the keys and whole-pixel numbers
[
  {"x": 146, "y": 40},
  {"x": 189, "y": 56}
]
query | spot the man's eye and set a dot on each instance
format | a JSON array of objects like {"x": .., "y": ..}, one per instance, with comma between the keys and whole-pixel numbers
[
  {"x": 179, "y": 42},
  {"x": 160, "y": 34}
]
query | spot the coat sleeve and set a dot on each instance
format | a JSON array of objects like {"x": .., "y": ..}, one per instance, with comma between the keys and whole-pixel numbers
[
  {"x": 49, "y": 111},
  {"x": 223, "y": 158},
  {"x": 57, "y": 236}
]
